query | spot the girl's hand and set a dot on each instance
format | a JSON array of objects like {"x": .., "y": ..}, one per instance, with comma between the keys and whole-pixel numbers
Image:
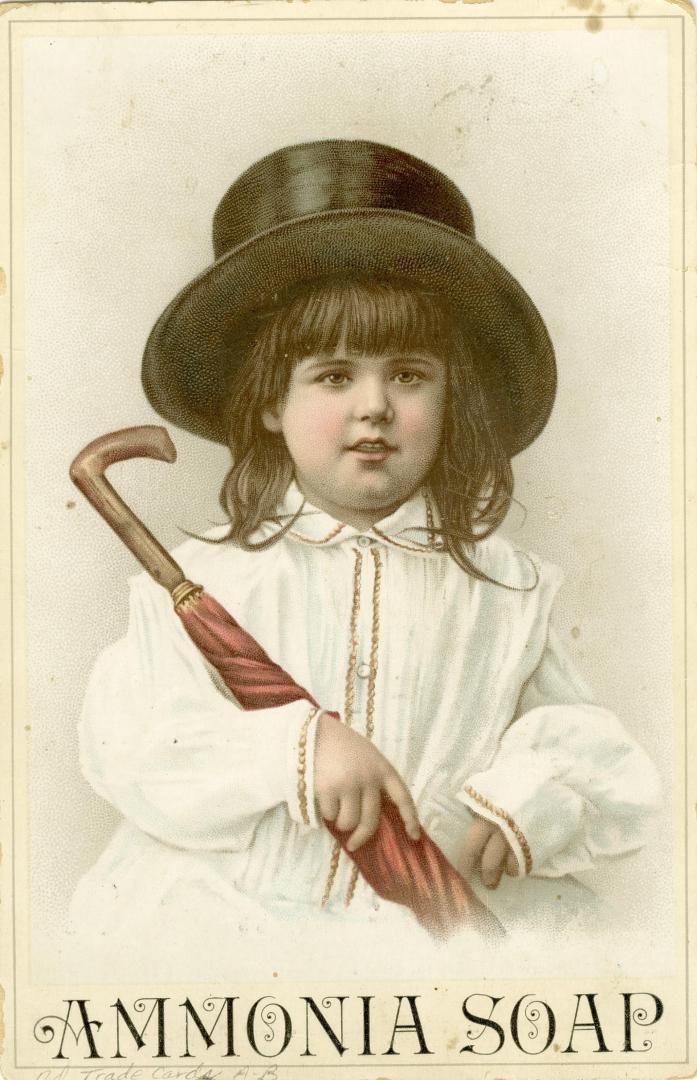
[
  {"x": 486, "y": 847},
  {"x": 350, "y": 777}
]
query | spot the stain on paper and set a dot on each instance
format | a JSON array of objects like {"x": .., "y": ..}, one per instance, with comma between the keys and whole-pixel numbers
[
  {"x": 127, "y": 119},
  {"x": 452, "y": 94},
  {"x": 3, "y": 281},
  {"x": 462, "y": 88},
  {"x": 593, "y": 22}
]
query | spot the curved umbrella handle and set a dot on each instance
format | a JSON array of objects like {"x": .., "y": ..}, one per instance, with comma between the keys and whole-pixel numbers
[{"x": 87, "y": 473}]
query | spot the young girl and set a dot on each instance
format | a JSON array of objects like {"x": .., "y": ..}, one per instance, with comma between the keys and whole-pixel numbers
[{"x": 373, "y": 370}]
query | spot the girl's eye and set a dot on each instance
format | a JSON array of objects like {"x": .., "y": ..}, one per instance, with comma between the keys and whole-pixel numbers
[
  {"x": 408, "y": 378},
  {"x": 334, "y": 378}
]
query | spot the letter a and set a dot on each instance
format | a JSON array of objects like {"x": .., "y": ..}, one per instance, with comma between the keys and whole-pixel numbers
[
  {"x": 415, "y": 1026},
  {"x": 594, "y": 1024}
]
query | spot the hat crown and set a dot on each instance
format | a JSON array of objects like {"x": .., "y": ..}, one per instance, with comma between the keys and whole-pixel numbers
[{"x": 330, "y": 175}]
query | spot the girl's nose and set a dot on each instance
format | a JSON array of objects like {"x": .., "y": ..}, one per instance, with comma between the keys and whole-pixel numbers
[{"x": 372, "y": 401}]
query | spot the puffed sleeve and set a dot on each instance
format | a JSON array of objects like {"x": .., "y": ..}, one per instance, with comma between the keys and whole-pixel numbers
[
  {"x": 568, "y": 786},
  {"x": 161, "y": 742}
]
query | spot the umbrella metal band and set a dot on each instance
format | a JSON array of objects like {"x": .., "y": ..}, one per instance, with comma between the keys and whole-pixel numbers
[{"x": 185, "y": 591}]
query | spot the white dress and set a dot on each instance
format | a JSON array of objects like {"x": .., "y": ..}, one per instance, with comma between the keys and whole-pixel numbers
[{"x": 461, "y": 684}]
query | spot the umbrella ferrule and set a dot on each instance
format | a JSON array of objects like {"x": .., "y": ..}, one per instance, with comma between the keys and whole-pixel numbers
[{"x": 185, "y": 594}]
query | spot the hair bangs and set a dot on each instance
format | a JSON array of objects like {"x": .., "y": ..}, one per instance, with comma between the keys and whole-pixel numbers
[{"x": 366, "y": 318}]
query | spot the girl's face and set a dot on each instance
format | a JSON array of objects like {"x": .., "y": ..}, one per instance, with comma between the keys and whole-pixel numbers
[{"x": 363, "y": 431}]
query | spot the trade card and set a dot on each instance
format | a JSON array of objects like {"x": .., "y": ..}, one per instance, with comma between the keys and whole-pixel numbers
[{"x": 348, "y": 467}]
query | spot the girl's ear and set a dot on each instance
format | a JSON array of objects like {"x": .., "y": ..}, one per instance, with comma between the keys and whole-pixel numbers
[{"x": 271, "y": 419}]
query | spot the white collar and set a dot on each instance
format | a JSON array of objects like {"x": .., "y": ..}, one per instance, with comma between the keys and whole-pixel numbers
[{"x": 407, "y": 527}]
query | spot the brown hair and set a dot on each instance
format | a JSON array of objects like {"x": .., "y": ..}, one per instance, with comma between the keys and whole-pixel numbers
[{"x": 471, "y": 482}]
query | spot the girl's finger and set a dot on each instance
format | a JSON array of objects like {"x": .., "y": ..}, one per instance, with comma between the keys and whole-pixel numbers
[
  {"x": 370, "y": 816},
  {"x": 328, "y": 807},
  {"x": 394, "y": 786},
  {"x": 475, "y": 841},
  {"x": 349, "y": 812},
  {"x": 511, "y": 865},
  {"x": 494, "y": 859}
]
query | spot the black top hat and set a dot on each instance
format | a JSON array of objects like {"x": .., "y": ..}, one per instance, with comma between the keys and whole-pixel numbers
[{"x": 339, "y": 208}]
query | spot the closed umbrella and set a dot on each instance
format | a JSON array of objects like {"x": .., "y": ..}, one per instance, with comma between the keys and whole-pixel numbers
[{"x": 414, "y": 873}]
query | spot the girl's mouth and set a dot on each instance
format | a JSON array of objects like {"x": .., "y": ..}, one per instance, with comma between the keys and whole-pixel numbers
[{"x": 372, "y": 449}]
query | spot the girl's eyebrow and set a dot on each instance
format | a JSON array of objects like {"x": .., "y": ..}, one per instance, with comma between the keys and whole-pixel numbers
[{"x": 312, "y": 363}]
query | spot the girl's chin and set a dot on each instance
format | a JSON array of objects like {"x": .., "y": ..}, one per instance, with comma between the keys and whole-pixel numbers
[
  {"x": 375, "y": 498},
  {"x": 374, "y": 490},
  {"x": 374, "y": 493}
]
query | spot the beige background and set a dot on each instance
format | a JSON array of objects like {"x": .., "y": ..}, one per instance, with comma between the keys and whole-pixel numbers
[{"x": 559, "y": 141}]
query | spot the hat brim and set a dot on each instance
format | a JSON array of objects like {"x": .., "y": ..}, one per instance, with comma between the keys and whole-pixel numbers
[{"x": 197, "y": 342}]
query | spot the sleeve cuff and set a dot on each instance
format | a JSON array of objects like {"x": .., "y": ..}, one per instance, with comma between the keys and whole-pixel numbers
[
  {"x": 484, "y": 807},
  {"x": 537, "y": 818},
  {"x": 302, "y": 733}
]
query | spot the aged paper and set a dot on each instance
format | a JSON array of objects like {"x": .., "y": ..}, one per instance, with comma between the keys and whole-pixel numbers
[{"x": 570, "y": 130}]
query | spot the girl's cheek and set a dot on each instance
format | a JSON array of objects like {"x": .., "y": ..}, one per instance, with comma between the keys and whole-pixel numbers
[
  {"x": 422, "y": 420},
  {"x": 326, "y": 428}
]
